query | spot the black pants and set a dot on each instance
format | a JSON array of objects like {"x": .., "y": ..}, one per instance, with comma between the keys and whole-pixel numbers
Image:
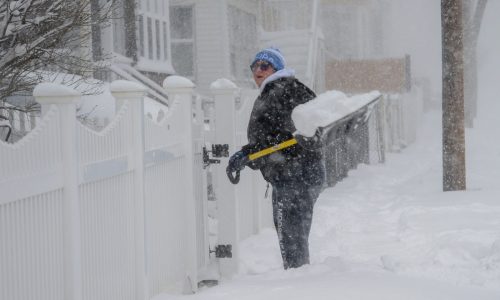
[{"x": 292, "y": 212}]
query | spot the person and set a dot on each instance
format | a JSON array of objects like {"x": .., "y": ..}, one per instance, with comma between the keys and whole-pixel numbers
[{"x": 296, "y": 174}]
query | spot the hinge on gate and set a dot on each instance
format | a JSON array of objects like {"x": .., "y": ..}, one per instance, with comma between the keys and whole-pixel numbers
[
  {"x": 218, "y": 150},
  {"x": 223, "y": 251}
]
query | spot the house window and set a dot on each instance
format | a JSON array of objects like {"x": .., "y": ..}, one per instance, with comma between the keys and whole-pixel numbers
[
  {"x": 165, "y": 43},
  {"x": 182, "y": 39},
  {"x": 119, "y": 31},
  {"x": 158, "y": 41},
  {"x": 243, "y": 42},
  {"x": 141, "y": 35},
  {"x": 181, "y": 19},
  {"x": 182, "y": 58},
  {"x": 153, "y": 30},
  {"x": 150, "y": 39}
]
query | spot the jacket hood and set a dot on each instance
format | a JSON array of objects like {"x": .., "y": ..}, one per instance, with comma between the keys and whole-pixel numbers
[{"x": 277, "y": 75}]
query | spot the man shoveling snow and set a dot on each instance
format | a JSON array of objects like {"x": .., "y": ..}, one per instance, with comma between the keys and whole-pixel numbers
[{"x": 287, "y": 151}]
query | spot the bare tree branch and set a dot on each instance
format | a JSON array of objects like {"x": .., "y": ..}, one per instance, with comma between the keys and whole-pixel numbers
[
  {"x": 46, "y": 35},
  {"x": 48, "y": 40}
]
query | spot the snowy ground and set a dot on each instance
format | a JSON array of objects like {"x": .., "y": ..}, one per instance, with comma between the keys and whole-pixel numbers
[{"x": 389, "y": 232}]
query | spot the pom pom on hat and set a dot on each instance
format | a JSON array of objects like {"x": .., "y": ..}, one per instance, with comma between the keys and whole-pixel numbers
[{"x": 273, "y": 56}]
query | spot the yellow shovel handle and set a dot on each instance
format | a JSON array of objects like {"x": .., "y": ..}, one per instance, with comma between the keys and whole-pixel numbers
[{"x": 272, "y": 149}]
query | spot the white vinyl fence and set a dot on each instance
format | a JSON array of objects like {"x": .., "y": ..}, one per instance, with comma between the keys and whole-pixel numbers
[
  {"x": 400, "y": 116},
  {"x": 105, "y": 215},
  {"x": 122, "y": 213}
]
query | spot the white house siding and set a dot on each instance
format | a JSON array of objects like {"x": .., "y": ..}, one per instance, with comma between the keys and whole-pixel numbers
[
  {"x": 212, "y": 47},
  {"x": 243, "y": 40},
  {"x": 370, "y": 33},
  {"x": 376, "y": 26},
  {"x": 353, "y": 29}
]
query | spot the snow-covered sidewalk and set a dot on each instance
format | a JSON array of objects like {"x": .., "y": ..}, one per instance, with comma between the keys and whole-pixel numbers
[{"x": 389, "y": 232}]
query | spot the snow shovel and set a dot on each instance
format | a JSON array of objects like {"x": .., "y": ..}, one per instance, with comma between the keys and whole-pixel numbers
[{"x": 325, "y": 128}]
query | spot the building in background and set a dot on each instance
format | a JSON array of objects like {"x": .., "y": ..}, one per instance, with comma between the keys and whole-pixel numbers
[
  {"x": 149, "y": 40},
  {"x": 353, "y": 28},
  {"x": 137, "y": 45},
  {"x": 207, "y": 40}
]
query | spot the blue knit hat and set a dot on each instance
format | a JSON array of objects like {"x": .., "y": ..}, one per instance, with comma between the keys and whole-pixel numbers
[{"x": 273, "y": 56}]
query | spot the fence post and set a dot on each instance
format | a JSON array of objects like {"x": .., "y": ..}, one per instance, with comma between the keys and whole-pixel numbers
[
  {"x": 227, "y": 202},
  {"x": 380, "y": 125},
  {"x": 182, "y": 89},
  {"x": 395, "y": 122},
  {"x": 65, "y": 98},
  {"x": 133, "y": 92}
]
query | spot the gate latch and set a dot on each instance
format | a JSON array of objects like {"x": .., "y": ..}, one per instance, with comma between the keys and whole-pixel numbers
[
  {"x": 218, "y": 150},
  {"x": 223, "y": 251}
]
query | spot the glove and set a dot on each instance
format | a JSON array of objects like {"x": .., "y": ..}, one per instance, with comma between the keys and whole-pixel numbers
[
  {"x": 310, "y": 143},
  {"x": 237, "y": 161}
]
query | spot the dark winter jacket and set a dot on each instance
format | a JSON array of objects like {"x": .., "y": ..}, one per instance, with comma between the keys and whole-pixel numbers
[{"x": 270, "y": 124}]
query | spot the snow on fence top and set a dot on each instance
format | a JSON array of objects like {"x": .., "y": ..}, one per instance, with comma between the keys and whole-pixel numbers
[
  {"x": 222, "y": 83},
  {"x": 50, "y": 89},
  {"x": 327, "y": 108},
  {"x": 175, "y": 81}
]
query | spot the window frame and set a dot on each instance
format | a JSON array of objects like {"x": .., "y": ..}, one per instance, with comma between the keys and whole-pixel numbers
[{"x": 191, "y": 40}]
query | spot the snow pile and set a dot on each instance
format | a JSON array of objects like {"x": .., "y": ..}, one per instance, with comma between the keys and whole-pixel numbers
[
  {"x": 396, "y": 218},
  {"x": 326, "y": 109},
  {"x": 260, "y": 254}
]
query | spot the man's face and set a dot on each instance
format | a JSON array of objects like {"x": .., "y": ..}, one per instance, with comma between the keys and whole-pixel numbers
[{"x": 261, "y": 70}]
